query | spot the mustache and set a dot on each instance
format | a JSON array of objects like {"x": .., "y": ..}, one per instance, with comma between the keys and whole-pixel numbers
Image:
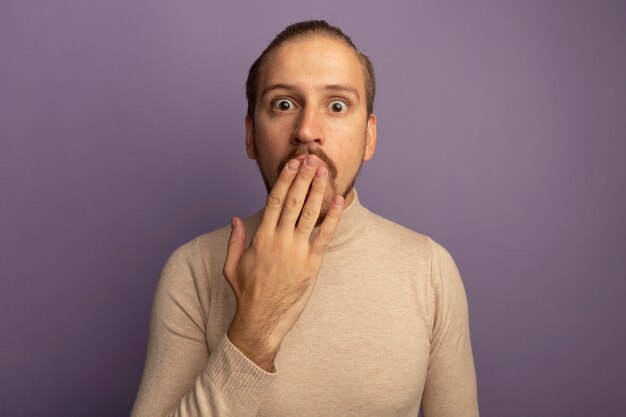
[{"x": 332, "y": 168}]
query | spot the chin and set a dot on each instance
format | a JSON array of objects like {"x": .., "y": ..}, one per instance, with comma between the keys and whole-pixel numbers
[{"x": 324, "y": 209}]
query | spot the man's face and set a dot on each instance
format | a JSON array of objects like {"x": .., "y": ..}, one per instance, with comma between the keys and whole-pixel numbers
[{"x": 312, "y": 100}]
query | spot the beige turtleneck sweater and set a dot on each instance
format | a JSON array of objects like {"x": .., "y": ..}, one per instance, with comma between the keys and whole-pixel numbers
[{"x": 386, "y": 329}]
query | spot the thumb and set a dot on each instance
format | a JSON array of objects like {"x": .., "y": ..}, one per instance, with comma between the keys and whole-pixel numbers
[{"x": 236, "y": 247}]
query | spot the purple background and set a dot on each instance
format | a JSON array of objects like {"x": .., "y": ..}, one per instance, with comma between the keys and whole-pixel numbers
[{"x": 502, "y": 134}]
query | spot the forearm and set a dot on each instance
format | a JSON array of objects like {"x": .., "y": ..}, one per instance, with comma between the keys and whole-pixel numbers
[
  {"x": 272, "y": 279},
  {"x": 229, "y": 385},
  {"x": 254, "y": 346}
]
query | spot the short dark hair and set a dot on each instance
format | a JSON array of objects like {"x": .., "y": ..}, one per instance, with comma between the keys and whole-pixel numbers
[{"x": 301, "y": 30}]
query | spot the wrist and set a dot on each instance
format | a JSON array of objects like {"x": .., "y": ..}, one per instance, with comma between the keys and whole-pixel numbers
[{"x": 255, "y": 346}]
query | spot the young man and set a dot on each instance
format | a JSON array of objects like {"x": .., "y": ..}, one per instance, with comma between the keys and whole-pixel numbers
[{"x": 315, "y": 306}]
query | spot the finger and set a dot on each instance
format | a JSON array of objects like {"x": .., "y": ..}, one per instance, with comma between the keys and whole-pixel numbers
[
  {"x": 294, "y": 201},
  {"x": 312, "y": 207},
  {"x": 276, "y": 197},
  {"x": 328, "y": 226},
  {"x": 235, "y": 250}
]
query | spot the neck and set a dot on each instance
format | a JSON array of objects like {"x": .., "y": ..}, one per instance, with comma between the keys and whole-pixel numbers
[
  {"x": 349, "y": 198},
  {"x": 352, "y": 222}
]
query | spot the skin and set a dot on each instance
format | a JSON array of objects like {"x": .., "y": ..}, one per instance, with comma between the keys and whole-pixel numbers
[{"x": 310, "y": 111}]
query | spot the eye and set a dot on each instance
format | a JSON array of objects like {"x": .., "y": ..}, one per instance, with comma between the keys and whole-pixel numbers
[
  {"x": 338, "y": 106},
  {"x": 283, "y": 104}
]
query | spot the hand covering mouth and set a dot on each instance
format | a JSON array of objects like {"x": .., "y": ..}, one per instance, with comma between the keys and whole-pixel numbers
[{"x": 300, "y": 155}]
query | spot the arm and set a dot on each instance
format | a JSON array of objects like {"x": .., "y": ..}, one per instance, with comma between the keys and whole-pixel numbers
[
  {"x": 272, "y": 281},
  {"x": 273, "y": 278},
  {"x": 180, "y": 377},
  {"x": 450, "y": 389}
]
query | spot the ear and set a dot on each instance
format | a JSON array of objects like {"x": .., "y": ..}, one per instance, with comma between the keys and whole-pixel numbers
[
  {"x": 370, "y": 138},
  {"x": 250, "y": 138}
]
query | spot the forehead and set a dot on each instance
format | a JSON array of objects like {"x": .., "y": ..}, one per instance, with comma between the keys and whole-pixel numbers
[{"x": 313, "y": 62}]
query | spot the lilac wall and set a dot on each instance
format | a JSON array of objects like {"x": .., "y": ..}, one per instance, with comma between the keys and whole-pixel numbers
[{"x": 502, "y": 131}]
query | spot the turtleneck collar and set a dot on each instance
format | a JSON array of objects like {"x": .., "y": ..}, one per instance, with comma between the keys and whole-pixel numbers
[{"x": 353, "y": 221}]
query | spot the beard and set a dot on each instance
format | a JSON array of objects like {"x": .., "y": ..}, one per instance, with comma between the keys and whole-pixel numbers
[{"x": 331, "y": 187}]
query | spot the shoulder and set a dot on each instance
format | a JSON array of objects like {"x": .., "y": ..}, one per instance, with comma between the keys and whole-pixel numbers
[
  {"x": 187, "y": 280},
  {"x": 205, "y": 254},
  {"x": 189, "y": 266},
  {"x": 399, "y": 238},
  {"x": 197, "y": 249},
  {"x": 395, "y": 234}
]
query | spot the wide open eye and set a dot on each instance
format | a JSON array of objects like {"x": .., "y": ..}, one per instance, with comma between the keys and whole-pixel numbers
[
  {"x": 283, "y": 104},
  {"x": 338, "y": 106}
]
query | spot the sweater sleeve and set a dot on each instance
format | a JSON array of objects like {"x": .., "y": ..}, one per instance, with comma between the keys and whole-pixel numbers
[
  {"x": 450, "y": 389},
  {"x": 181, "y": 377}
]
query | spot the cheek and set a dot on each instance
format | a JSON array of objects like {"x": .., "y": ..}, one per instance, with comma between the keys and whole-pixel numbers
[
  {"x": 274, "y": 133},
  {"x": 339, "y": 129},
  {"x": 270, "y": 152},
  {"x": 348, "y": 146},
  {"x": 349, "y": 134},
  {"x": 268, "y": 141}
]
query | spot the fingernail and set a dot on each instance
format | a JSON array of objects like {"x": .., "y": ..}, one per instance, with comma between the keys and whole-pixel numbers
[
  {"x": 321, "y": 172},
  {"x": 293, "y": 165},
  {"x": 310, "y": 160}
]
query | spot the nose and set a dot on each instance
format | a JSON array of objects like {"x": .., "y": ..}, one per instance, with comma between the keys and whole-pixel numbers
[{"x": 308, "y": 129}]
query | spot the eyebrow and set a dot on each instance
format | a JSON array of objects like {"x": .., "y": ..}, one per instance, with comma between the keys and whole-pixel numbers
[
  {"x": 345, "y": 88},
  {"x": 329, "y": 87}
]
